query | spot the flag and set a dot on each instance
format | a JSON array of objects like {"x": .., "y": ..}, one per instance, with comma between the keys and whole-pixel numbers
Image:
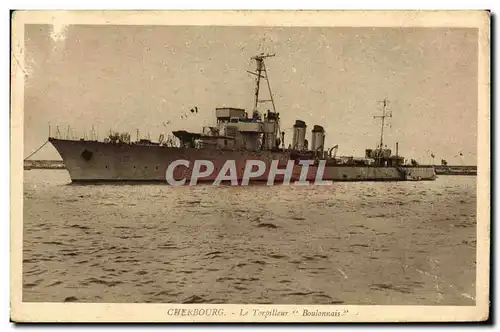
[{"x": 432, "y": 155}]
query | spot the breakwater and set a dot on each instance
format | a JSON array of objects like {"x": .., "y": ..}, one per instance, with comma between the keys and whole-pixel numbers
[
  {"x": 44, "y": 164},
  {"x": 456, "y": 170}
]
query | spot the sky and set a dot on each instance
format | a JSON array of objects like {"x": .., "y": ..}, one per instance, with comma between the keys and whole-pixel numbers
[{"x": 124, "y": 78}]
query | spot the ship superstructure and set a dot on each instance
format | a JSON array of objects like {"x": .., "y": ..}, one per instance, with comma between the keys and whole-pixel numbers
[{"x": 238, "y": 130}]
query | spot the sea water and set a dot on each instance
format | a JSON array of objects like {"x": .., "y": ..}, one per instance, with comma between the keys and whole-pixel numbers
[{"x": 396, "y": 243}]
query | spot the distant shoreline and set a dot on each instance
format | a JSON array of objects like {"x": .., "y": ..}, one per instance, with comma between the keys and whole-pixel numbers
[
  {"x": 455, "y": 170},
  {"x": 44, "y": 164}
]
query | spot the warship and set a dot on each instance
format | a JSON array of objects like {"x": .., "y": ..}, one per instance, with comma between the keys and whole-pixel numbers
[{"x": 238, "y": 136}]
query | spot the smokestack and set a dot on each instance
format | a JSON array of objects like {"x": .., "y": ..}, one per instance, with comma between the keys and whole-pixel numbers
[
  {"x": 299, "y": 134},
  {"x": 397, "y": 149},
  {"x": 317, "y": 138}
]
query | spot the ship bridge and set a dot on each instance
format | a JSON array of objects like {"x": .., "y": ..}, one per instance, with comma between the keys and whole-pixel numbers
[
  {"x": 230, "y": 114},
  {"x": 238, "y": 130},
  {"x": 246, "y": 132}
]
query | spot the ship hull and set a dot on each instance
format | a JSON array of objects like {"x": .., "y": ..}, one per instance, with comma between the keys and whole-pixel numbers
[{"x": 92, "y": 161}]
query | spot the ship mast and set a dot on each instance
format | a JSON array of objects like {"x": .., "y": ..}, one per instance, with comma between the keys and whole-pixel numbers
[
  {"x": 269, "y": 138},
  {"x": 382, "y": 118},
  {"x": 261, "y": 72}
]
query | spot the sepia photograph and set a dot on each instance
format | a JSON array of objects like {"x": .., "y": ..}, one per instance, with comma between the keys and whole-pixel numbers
[{"x": 250, "y": 166}]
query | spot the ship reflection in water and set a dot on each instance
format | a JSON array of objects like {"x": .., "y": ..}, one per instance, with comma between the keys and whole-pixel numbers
[{"x": 397, "y": 243}]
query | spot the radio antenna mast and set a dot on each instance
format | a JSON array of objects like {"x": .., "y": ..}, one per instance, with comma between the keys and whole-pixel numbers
[
  {"x": 382, "y": 117},
  {"x": 261, "y": 73}
]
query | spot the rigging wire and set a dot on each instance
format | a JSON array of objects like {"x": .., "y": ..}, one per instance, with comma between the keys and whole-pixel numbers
[{"x": 36, "y": 150}]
